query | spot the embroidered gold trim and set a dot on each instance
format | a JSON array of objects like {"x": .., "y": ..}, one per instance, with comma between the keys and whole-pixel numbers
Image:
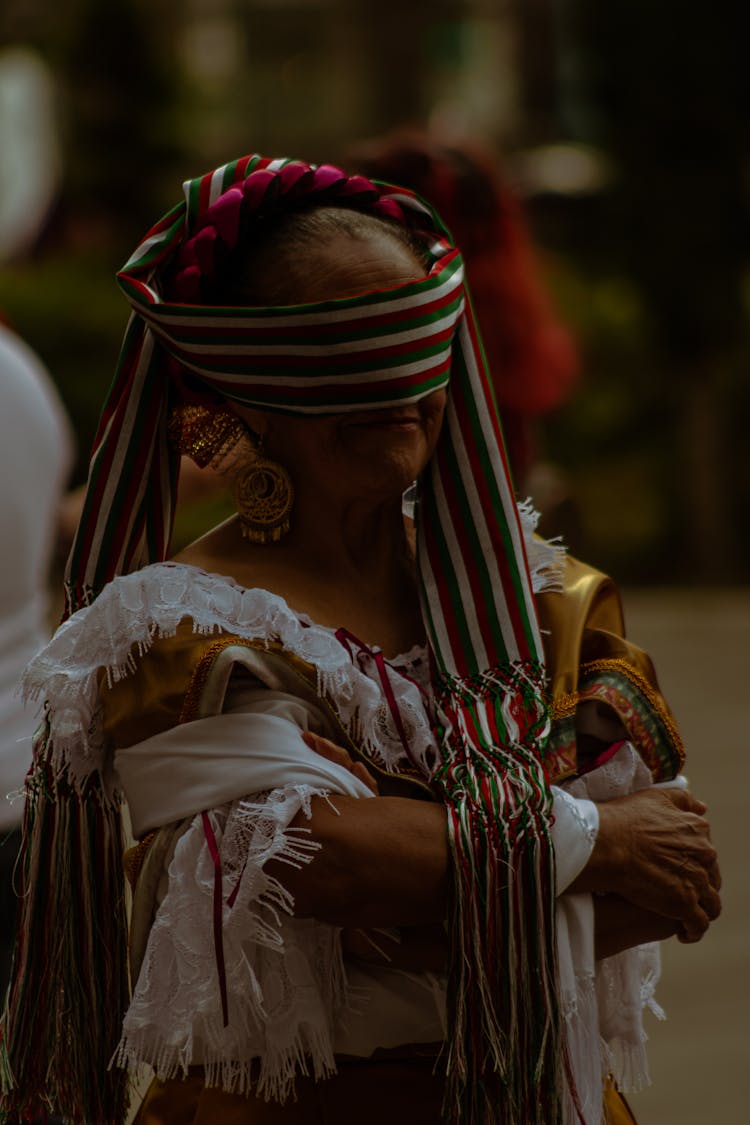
[
  {"x": 566, "y": 704},
  {"x": 197, "y": 685},
  {"x": 134, "y": 858}
]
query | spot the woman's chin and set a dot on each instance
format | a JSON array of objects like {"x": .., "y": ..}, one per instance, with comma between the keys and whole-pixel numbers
[
  {"x": 389, "y": 453},
  {"x": 385, "y": 484}
]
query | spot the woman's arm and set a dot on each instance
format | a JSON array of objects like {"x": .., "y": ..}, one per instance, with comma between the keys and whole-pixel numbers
[
  {"x": 374, "y": 871},
  {"x": 382, "y": 862},
  {"x": 618, "y": 925},
  {"x": 417, "y": 949},
  {"x": 385, "y": 862}
]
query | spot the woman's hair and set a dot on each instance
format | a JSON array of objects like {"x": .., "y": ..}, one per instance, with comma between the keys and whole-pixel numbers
[{"x": 268, "y": 267}]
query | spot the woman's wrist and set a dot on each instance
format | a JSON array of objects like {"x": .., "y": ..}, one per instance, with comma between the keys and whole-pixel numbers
[
  {"x": 606, "y": 865},
  {"x": 620, "y": 925}
]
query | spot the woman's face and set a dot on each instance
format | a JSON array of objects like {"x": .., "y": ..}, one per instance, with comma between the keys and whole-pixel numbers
[{"x": 368, "y": 454}]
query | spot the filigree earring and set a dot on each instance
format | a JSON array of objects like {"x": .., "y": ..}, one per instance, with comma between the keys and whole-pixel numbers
[
  {"x": 264, "y": 496},
  {"x": 207, "y": 436}
]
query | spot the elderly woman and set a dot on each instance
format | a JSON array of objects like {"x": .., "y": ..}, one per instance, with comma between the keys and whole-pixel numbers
[{"x": 329, "y": 722}]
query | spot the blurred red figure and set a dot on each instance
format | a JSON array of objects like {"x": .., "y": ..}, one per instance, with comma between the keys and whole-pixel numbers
[{"x": 533, "y": 360}]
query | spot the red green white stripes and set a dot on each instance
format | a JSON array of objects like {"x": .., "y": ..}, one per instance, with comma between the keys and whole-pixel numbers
[
  {"x": 376, "y": 350},
  {"x": 472, "y": 565},
  {"x": 330, "y": 357}
]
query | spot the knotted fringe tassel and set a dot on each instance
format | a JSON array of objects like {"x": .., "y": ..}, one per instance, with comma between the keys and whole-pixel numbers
[
  {"x": 504, "y": 1061},
  {"x": 69, "y": 987}
]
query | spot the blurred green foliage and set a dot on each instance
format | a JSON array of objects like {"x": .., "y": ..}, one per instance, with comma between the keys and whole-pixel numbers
[
  {"x": 651, "y": 271},
  {"x": 615, "y": 437},
  {"x": 625, "y": 439}
]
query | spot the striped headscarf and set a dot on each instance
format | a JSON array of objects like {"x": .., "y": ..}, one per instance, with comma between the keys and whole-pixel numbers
[{"x": 393, "y": 346}]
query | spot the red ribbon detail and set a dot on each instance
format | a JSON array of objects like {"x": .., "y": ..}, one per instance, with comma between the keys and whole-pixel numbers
[
  {"x": 363, "y": 653},
  {"x": 218, "y": 932}
]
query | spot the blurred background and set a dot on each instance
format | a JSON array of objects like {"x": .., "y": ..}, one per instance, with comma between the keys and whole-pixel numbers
[
  {"x": 618, "y": 131},
  {"x": 622, "y": 128}
]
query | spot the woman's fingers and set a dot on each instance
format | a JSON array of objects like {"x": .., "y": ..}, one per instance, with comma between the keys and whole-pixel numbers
[
  {"x": 656, "y": 851},
  {"x": 704, "y": 907},
  {"x": 678, "y": 879},
  {"x": 619, "y": 924},
  {"x": 340, "y": 757},
  {"x": 694, "y": 925},
  {"x": 327, "y": 749},
  {"x": 684, "y": 799},
  {"x": 360, "y": 770}
]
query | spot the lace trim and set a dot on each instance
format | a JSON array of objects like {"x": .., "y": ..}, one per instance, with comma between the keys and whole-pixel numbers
[
  {"x": 625, "y": 982},
  {"x": 135, "y": 609},
  {"x": 285, "y": 977},
  {"x": 579, "y": 1012}
]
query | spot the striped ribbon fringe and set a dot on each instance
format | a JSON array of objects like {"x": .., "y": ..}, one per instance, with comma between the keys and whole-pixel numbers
[
  {"x": 503, "y": 1057},
  {"x": 69, "y": 986}
]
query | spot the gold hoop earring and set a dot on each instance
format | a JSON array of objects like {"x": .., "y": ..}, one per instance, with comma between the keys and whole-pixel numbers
[
  {"x": 264, "y": 496},
  {"x": 206, "y": 436}
]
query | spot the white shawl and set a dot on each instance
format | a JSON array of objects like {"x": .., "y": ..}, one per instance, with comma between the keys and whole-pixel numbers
[{"x": 289, "y": 995}]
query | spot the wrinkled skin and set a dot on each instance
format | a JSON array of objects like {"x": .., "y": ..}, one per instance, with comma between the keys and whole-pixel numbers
[{"x": 653, "y": 870}]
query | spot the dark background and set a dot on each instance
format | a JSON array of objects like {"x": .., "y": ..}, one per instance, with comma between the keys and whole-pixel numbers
[{"x": 623, "y": 125}]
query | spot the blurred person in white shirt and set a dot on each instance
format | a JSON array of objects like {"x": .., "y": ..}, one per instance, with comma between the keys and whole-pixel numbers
[{"x": 36, "y": 455}]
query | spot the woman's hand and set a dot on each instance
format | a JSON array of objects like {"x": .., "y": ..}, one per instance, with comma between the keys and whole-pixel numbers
[
  {"x": 654, "y": 849},
  {"x": 619, "y": 925},
  {"x": 340, "y": 757}
]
